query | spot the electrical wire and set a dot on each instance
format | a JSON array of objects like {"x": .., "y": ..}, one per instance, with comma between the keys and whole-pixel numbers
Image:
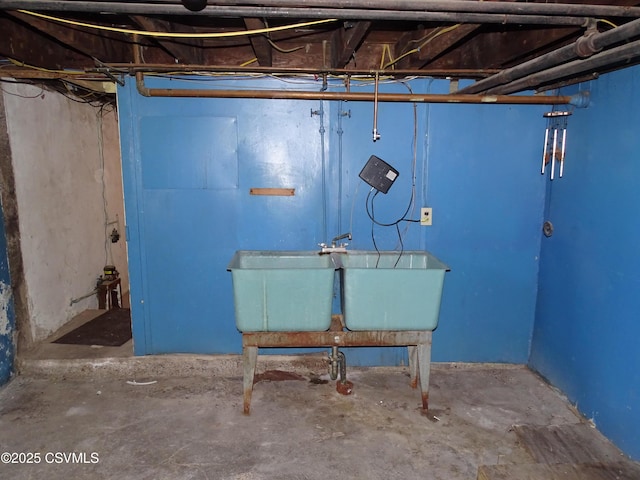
[
  {"x": 411, "y": 205},
  {"x": 66, "y": 89},
  {"x": 373, "y": 237},
  {"x": 283, "y": 50},
  {"x": 240, "y": 33},
  {"x": 71, "y": 91},
  {"x": 414, "y": 144},
  {"x": 353, "y": 205},
  {"x": 296, "y": 79},
  {"x": 371, "y": 214},
  {"x": 401, "y": 247},
  {"x": 41, "y": 69},
  {"x": 431, "y": 36},
  {"x": 276, "y": 47},
  {"x": 385, "y": 51},
  {"x": 604, "y": 20},
  {"x": 107, "y": 249},
  {"x": 249, "y": 62}
]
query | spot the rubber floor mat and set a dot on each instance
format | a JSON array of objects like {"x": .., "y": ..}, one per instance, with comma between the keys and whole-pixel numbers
[{"x": 110, "y": 329}]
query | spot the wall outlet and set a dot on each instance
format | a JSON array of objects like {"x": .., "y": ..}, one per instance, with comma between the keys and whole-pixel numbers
[{"x": 425, "y": 216}]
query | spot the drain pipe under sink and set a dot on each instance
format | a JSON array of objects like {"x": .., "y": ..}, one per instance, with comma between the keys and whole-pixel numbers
[{"x": 337, "y": 360}]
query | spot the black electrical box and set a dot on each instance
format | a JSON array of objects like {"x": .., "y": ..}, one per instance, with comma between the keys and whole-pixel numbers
[{"x": 379, "y": 174}]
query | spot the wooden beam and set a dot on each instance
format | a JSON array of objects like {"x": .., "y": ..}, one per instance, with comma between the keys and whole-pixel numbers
[
  {"x": 185, "y": 51},
  {"x": 344, "y": 43},
  {"x": 520, "y": 46},
  {"x": 30, "y": 73},
  {"x": 23, "y": 43},
  {"x": 505, "y": 48},
  {"x": 260, "y": 44},
  {"x": 430, "y": 50},
  {"x": 102, "y": 45}
]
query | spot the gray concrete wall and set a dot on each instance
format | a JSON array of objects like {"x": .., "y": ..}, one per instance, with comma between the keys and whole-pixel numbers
[{"x": 67, "y": 187}]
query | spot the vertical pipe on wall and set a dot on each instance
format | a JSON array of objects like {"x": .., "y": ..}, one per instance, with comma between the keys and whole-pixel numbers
[
  {"x": 376, "y": 135},
  {"x": 425, "y": 159},
  {"x": 340, "y": 131},
  {"x": 323, "y": 162}
]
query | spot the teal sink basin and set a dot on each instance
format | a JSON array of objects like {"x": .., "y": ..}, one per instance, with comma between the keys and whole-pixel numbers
[
  {"x": 389, "y": 291},
  {"x": 277, "y": 291}
]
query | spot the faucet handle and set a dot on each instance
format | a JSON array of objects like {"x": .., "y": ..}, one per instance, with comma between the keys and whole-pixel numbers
[{"x": 340, "y": 237}]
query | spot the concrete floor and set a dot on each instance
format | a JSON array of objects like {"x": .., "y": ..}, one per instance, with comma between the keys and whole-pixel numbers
[{"x": 189, "y": 423}]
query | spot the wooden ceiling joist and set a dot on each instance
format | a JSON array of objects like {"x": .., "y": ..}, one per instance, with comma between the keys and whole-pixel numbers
[
  {"x": 345, "y": 42},
  {"x": 103, "y": 46},
  {"x": 435, "y": 43},
  {"x": 260, "y": 44},
  {"x": 183, "y": 50}
]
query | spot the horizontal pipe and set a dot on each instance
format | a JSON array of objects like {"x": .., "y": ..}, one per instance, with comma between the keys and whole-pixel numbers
[
  {"x": 583, "y": 47},
  {"x": 87, "y": 295},
  {"x": 391, "y": 15},
  {"x": 132, "y": 68},
  {"x": 284, "y": 12},
  {"x": 457, "y": 6},
  {"x": 568, "y": 82},
  {"x": 623, "y": 53},
  {"x": 616, "y": 35},
  {"x": 351, "y": 96}
]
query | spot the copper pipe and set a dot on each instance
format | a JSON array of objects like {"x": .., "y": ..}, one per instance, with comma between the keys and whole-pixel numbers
[
  {"x": 376, "y": 135},
  {"x": 351, "y": 96}
]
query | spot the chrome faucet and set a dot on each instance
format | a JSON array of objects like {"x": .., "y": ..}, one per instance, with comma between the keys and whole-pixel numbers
[
  {"x": 335, "y": 248},
  {"x": 340, "y": 237}
]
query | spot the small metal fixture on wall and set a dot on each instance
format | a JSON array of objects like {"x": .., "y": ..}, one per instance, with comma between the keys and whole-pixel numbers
[
  {"x": 376, "y": 133},
  {"x": 555, "y": 141}
]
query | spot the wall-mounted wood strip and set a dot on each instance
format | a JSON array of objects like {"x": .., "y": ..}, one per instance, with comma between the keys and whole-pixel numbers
[{"x": 278, "y": 192}]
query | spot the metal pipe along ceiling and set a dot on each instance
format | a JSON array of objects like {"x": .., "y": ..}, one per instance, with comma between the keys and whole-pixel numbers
[
  {"x": 457, "y": 6},
  {"x": 585, "y": 46},
  {"x": 293, "y": 12},
  {"x": 579, "y": 100},
  {"x": 460, "y": 6},
  {"x": 604, "y": 59}
]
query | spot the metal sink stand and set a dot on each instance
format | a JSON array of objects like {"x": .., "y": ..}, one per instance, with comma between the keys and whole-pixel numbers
[{"x": 418, "y": 343}]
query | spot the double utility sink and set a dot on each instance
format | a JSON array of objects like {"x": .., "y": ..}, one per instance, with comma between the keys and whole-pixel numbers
[{"x": 277, "y": 291}]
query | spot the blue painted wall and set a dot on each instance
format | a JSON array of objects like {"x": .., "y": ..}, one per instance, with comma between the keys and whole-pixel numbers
[
  {"x": 586, "y": 332},
  {"x": 189, "y": 165},
  {"x": 7, "y": 315}
]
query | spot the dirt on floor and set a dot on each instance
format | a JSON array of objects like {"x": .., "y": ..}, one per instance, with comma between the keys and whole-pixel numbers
[{"x": 299, "y": 428}]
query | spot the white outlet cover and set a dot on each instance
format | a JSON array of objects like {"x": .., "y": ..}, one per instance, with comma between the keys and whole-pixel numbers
[{"x": 426, "y": 214}]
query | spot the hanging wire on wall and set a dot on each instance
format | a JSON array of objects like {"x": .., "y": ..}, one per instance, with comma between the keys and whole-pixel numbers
[{"x": 555, "y": 141}]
